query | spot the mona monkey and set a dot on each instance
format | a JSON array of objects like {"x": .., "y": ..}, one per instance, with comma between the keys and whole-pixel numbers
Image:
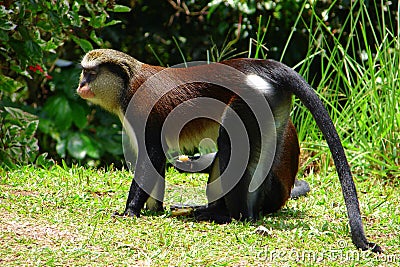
[{"x": 112, "y": 79}]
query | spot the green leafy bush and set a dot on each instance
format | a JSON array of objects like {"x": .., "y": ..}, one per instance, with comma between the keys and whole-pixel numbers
[
  {"x": 17, "y": 142},
  {"x": 34, "y": 35},
  {"x": 72, "y": 128}
]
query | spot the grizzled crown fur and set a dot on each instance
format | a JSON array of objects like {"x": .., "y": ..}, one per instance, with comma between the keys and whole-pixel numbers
[{"x": 97, "y": 57}]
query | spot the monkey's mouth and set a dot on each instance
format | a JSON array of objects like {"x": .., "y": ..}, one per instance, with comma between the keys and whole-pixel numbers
[{"x": 85, "y": 92}]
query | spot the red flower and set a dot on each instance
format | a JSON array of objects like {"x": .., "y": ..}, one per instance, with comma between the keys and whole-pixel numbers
[
  {"x": 36, "y": 68},
  {"x": 39, "y": 68}
]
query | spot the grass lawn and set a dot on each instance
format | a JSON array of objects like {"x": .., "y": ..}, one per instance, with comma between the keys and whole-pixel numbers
[{"x": 62, "y": 217}]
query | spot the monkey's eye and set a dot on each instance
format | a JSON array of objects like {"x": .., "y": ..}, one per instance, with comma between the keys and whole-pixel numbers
[
  {"x": 93, "y": 72},
  {"x": 90, "y": 75}
]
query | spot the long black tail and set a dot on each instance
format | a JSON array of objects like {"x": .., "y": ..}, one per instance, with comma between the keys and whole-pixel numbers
[{"x": 301, "y": 89}]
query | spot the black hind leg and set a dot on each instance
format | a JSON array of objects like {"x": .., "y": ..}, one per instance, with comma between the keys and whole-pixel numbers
[
  {"x": 213, "y": 212},
  {"x": 216, "y": 210}
]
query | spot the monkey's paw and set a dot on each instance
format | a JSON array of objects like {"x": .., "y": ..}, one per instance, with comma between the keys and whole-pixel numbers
[{"x": 127, "y": 213}]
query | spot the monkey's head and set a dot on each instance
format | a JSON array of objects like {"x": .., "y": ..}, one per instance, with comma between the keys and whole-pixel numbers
[{"x": 106, "y": 77}]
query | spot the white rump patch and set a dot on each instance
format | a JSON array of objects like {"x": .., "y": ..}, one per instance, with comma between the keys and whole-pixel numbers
[{"x": 259, "y": 83}]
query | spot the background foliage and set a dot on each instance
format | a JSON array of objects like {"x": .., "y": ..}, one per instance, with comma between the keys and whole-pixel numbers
[
  {"x": 318, "y": 36},
  {"x": 34, "y": 35}
]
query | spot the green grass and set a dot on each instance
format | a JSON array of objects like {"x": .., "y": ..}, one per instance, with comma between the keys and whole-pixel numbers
[
  {"x": 62, "y": 217},
  {"x": 359, "y": 84},
  {"x": 361, "y": 92}
]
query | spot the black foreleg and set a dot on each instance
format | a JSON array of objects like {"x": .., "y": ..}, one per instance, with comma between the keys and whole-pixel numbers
[{"x": 148, "y": 180}]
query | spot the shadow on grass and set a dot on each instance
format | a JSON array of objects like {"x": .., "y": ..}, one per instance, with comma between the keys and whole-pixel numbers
[{"x": 285, "y": 219}]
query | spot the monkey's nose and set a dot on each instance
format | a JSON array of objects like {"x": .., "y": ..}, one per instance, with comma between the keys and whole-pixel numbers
[{"x": 85, "y": 92}]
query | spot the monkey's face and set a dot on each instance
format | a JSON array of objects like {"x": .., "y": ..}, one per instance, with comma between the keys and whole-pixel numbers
[
  {"x": 84, "y": 90},
  {"x": 98, "y": 84},
  {"x": 106, "y": 77}
]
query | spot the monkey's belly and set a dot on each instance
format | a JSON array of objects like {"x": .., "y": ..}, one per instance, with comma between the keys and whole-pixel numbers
[{"x": 193, "y": 134}]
